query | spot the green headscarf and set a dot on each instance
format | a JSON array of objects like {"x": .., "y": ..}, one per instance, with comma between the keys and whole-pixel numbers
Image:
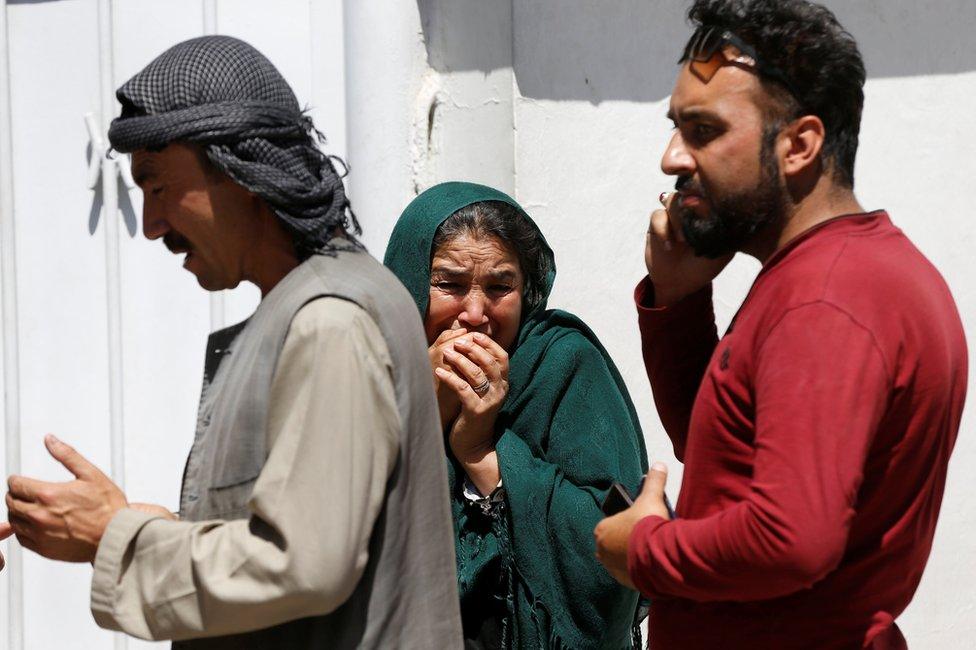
[{"x": 566, "y": 431}]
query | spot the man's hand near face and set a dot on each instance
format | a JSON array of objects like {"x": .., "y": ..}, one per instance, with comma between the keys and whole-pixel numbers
[
  {"x": 63, "y": 521},
  {"x": 674, "y": 268},
  {"x": 613, "y": 533}
]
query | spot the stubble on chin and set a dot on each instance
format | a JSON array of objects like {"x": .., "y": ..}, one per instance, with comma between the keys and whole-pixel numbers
[{"x": 733, "y": 222}]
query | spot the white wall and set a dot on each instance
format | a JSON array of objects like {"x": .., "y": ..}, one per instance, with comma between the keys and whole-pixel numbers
[
  {"x": 61, "y": 281},
  {"x": 560, "y": 102}
]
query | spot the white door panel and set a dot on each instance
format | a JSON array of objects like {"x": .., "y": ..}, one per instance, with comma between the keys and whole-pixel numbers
[
  {"x": 63, "y": 309},
  {"x": 53, "y": 50}
]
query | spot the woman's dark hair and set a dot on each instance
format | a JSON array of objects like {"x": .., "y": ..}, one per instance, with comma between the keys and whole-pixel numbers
[
  {"x": 504, "y": 222},
  {"x": 819, "y": 57}
]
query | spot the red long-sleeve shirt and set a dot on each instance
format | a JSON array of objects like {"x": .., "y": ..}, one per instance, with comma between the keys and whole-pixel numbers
[{"x": 815, "y": 437}]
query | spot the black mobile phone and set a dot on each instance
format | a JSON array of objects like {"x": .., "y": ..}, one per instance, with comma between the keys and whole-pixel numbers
[{"x": 618, "y": 500}]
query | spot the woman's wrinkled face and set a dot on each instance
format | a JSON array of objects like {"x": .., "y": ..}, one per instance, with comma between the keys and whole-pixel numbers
[{"x": 475, "y": 283}]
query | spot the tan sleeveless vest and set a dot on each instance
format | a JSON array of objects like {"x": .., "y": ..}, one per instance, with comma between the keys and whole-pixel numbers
[{"x": 407, "y": 597}]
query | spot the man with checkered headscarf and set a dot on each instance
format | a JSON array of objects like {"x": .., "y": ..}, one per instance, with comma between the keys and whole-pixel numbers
[{"x": 314, "y": 507}]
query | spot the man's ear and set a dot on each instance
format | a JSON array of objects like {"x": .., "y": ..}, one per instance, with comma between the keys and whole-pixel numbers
[{"x": 804, "y": 142}]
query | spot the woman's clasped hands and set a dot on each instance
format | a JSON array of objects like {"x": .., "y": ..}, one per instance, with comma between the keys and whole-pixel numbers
[{"x": 471, "y": 376}]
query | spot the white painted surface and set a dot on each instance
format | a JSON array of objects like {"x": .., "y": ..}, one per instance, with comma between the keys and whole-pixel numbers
[
  {"x": 560, "y": 102},
  {"x": 464, "y": 117},
  {"x": 11, "y": 580},
  {"x": 62, "y": 274},
  {"x": 384, "y": 68}
]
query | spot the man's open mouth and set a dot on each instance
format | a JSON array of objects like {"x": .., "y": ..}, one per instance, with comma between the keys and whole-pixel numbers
[{"x": 177, "y": 245}]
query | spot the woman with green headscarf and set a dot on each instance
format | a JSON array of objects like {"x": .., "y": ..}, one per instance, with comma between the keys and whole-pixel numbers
[{"x": 537, "y": 421}]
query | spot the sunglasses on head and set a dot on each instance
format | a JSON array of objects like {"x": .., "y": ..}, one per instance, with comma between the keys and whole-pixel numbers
[{"x": 710, "y": 48}]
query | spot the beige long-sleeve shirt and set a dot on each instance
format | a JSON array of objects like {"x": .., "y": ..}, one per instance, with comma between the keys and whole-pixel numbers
[{"x": 333, "y": 438}]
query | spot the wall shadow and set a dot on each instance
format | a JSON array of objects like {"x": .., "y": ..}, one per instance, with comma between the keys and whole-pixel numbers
[
  {"x": 627, "y": 50},
  {"x": 467, "y": 34},
  {"x": 594, "y": 51},
  {"x": 906, "y": 38}
]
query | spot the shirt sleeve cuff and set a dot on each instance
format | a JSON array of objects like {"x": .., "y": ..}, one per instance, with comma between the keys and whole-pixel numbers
[
  {"x": 109, "y": 563},
  {"x": 472, "y": 493},
  {"x": 696, "y": 306},
  {"x": 639, "y": 555}
]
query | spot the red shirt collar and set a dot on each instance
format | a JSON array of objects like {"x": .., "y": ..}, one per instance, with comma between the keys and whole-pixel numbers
[{"x": 845, "y": 223}]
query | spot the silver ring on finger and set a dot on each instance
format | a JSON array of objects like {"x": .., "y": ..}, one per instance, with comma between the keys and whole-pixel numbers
[{"x": 483, "y": 387}]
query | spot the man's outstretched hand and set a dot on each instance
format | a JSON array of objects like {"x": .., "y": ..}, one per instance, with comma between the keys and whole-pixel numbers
[
  {"x": 5, "y": 532},
  {"x": 63, "y": 521},
  {"x": 613, "y": 533}
]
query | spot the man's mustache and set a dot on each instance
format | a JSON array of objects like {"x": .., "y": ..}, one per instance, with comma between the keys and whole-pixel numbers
[
  {"x": 176, "y": 243},
  {"x": 688, "y": 184}
]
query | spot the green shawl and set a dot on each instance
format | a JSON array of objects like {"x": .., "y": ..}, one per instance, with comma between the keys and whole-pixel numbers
[{"x": 566, "y": 431}]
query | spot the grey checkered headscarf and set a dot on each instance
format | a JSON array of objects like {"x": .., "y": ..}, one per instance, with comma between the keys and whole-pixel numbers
[{"x": 223, "y": 94}]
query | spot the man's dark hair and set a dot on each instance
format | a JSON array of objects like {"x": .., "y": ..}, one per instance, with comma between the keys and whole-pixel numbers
[
  {"x": 819, "y": 57},
  {"x": 504, "y": 222}
]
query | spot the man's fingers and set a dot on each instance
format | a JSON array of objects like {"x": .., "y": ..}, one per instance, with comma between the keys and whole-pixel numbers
[
  {"x": 674, "y": 221},
  {"x": 28, "y": 542},
  {"x": 28, "y": 489},
  {"x": 6, "y": 530},
  {"x": 27, "y": 512},
  {"x": 612, "y": 535},
  {"x": 660, "y": 228},
  {"x": 652, "y": 500},
  {"x": 665, "y": 225},
  {"x": 70, "y": 458},
  {"x": 22, "y": 528},
  {"x": 655, "y": 481}
]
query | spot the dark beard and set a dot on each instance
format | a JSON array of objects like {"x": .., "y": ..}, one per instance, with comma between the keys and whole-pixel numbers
[{"x": 735, "y": 219}]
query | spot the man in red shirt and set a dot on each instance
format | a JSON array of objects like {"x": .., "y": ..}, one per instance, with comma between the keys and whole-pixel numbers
[{"x": 817, "y": 432}]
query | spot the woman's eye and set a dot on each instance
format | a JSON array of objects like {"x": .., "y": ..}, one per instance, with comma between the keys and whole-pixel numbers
[
  {"x": 448, "y": 286},
  {"x": 500, "y": 288},
  {"x": 156, "y": 191}
]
